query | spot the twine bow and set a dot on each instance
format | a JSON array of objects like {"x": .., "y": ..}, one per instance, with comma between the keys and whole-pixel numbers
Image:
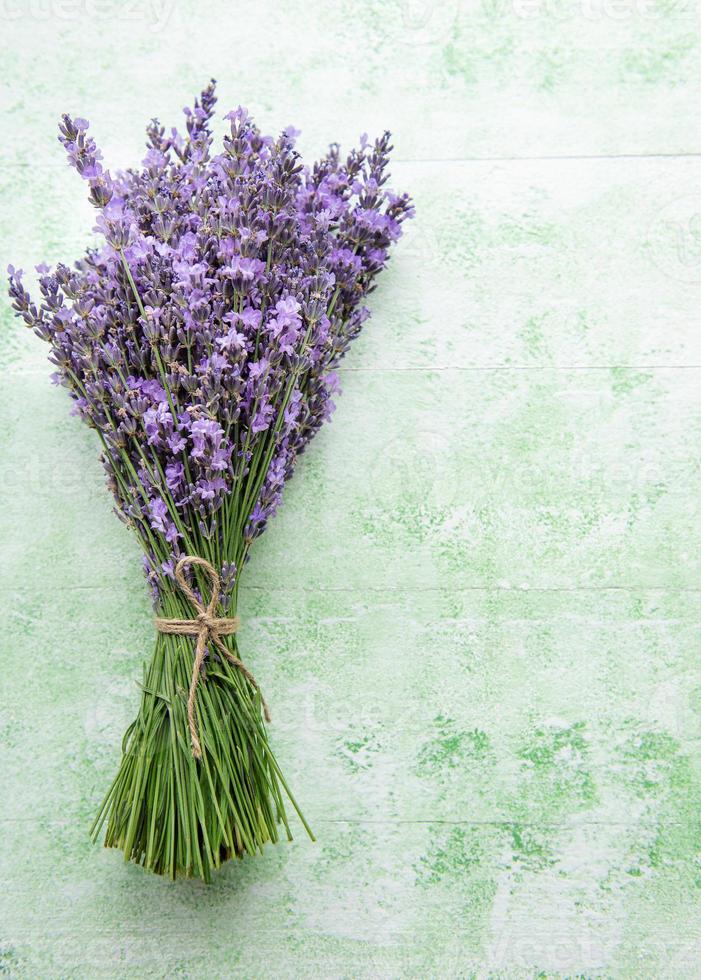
[{"x": 208, "y": 629}]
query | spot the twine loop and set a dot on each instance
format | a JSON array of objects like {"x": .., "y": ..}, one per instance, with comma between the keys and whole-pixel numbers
[{"x": 208, "y": 629}]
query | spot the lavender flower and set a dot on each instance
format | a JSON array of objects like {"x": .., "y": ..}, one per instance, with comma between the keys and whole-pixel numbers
[{"x": 201, "y": 337}]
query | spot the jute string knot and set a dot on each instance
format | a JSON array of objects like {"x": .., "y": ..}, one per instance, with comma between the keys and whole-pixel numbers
[{"x": 208, "y": 629}]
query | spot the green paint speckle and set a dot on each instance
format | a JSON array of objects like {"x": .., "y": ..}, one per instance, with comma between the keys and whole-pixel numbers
[
  {"x": 625, "y": 380},
  {"x": 451, "y": 747},
  {"x": 455, "y": 855},
  {"x": 531, "y": 849},
  {"x": 555, "y": 768}
]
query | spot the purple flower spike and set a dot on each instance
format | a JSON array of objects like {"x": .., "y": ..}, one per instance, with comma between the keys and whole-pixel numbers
[{"x": 201, "y": 339}]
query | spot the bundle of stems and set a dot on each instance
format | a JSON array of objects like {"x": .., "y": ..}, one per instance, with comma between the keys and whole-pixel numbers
[
  {"x": 167, "y": 810},
  {"x": 178, "y": 815}
]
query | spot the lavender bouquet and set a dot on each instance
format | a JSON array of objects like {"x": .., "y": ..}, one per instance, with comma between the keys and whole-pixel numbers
[{"x": 199, "y": 341}]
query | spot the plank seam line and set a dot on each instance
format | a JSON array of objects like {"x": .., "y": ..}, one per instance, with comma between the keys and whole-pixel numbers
[
  {"x": 398, "y": 590},
  {"x": 36, "y": 372},
  {"x": 536, "y": 158}
]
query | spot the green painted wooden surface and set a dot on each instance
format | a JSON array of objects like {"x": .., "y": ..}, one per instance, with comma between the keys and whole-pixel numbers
[{"x": 477, "y": 615}]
